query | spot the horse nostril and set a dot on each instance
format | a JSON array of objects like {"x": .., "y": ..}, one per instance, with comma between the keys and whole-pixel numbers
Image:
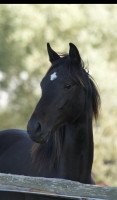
[
  {"x": 38, "y": 128},
  {"x": 33, "y": 127}
]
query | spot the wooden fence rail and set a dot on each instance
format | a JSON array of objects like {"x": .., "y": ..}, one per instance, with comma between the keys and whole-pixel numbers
[{"x": 58, "y": 188}]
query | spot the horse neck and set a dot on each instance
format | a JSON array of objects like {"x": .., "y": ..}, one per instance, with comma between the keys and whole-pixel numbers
[
  {"x": 69, "y": 152},
  {"x": 77, "y": 153}
]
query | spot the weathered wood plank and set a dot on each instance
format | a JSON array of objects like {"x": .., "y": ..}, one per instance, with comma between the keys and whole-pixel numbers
[{"x": 56, "y": 188}]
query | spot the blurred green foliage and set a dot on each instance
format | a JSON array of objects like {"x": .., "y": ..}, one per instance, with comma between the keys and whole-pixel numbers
[{"x": 24, "y": 31}]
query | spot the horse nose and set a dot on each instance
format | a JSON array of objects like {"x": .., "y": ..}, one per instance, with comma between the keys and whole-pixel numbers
[
  {"x": 33, "y": 127},
  {"x": 35, "y": 133}
]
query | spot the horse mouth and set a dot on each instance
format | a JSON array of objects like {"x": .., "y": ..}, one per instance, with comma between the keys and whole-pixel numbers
[{"x": 40, "y": 138}]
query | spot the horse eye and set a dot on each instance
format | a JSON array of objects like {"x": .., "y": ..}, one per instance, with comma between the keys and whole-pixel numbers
[{"x": 68, "y": 86}]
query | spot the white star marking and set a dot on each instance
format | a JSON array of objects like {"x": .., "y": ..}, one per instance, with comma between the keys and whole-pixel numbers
[{"x": 53, "y": 76}]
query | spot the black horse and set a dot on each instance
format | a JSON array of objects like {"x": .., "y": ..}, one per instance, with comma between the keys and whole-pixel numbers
[{"x": 60, "y": 127}]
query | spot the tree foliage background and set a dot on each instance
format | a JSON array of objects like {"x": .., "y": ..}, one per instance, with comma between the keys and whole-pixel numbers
[{"x": 24, "y": 31}]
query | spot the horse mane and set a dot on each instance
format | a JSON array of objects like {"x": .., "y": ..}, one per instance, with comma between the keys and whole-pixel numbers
[
  {"x": 49, "y": 153},
  {"x": 96, "y": 101}
]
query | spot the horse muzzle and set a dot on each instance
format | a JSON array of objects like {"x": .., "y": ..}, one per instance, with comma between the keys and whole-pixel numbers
[{"x": 36, "y": 133}]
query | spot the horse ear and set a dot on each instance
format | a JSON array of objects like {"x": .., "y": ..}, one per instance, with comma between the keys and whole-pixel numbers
[
  {"x": 74, "y": 53},
  {"x": 53, "y": 56}
]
